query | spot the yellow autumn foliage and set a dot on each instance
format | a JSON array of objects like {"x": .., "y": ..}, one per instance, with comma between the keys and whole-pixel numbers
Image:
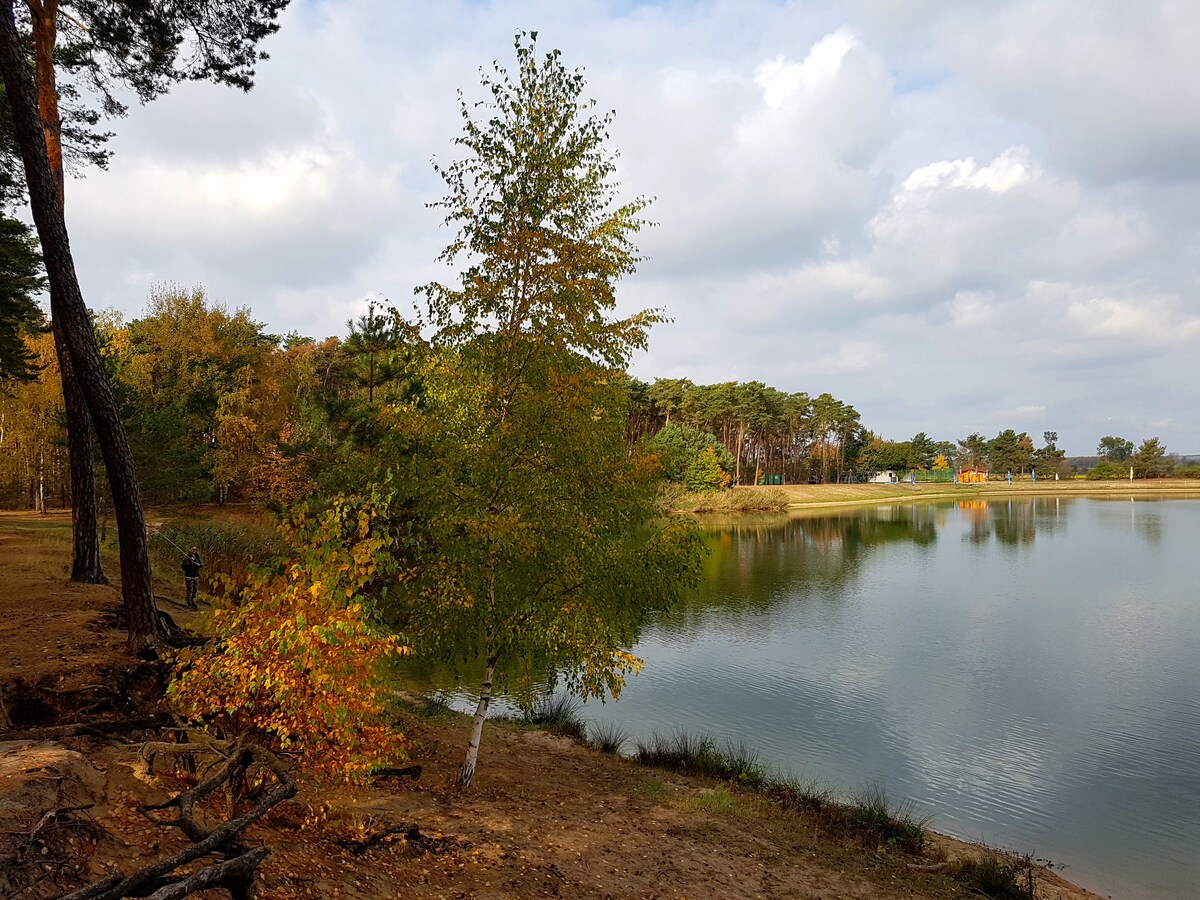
[{"x": 295, "y": 658}]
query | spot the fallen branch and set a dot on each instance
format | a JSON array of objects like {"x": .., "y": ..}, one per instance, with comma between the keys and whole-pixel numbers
[
  {"x": 411, "y": 833},
  {"x": 235, "y": 875},
  {"x": 934, "y": 867},
  {"x": 48, "y": 819}
]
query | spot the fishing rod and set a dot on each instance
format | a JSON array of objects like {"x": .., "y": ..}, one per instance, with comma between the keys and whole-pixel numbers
[{"x": 154, "y": 531}]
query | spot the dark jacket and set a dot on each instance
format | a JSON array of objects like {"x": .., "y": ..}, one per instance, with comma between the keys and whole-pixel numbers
[{"x": 191, "y": 566}]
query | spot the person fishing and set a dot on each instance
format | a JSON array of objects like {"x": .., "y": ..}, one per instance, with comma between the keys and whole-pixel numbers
[{"x": 191, "y": 567}]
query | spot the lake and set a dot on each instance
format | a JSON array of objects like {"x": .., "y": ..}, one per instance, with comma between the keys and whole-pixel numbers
[{"x": 1027, "y": 671}]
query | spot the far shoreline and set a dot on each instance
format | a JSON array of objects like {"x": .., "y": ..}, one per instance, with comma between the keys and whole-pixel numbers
[{"x": 798, "y": 497}]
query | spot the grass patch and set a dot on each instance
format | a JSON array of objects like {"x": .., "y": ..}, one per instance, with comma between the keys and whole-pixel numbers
[
  {"x": 720, "y": 801},
  {"x": 654, "y": 789},
  {"x": 800, "y": 795},
  {"x": 435, "y": 707},
  {"x": 676, "y": 497},
  {"x": 559, "y": 714},
  {"x": 607, "y": 737},
  {"x": 890, "y": 824},
  {"x": 994, "y": 873},
  {"x": 691, "y": 754}
]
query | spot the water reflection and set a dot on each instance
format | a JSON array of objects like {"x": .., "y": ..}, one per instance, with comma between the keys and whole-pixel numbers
[
  {"x": 1026, "y": 669},
  {"x": 1012, "y": 522}
]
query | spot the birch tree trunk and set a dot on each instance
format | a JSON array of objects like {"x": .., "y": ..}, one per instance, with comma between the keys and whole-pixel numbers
[
  {"x": 41, "y": 488},
  {"x": 467, "y": 773}
]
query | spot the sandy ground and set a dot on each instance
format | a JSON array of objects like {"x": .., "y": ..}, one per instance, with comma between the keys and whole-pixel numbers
[{"x": 546, "y": 817}]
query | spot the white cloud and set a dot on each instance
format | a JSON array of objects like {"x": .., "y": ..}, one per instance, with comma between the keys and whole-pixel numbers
[
  {"x": 910, "y": 205},
  {"x": 1153, "y": 319}
]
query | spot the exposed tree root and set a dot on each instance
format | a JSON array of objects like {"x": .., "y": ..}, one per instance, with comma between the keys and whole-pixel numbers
[
  {"x": 103, "y": 728},
  {"x": 236, "y": 872}
]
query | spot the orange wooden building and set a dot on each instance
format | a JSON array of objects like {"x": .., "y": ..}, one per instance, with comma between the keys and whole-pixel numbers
[{"x": 972, "y": 476}]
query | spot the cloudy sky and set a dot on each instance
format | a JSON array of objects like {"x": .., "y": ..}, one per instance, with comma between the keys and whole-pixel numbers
[{"x": 956, "y": 216}]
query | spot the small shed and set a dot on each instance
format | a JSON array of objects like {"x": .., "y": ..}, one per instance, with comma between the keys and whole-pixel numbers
[
  {"x": 887, "y": 476},
  {"x": 972, "y": 475}
]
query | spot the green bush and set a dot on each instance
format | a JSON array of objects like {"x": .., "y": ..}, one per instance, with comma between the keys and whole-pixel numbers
[
  {"x": 1108, "y": 471},
  {"x": 559, "y": 714},
  {"x": 228, "y": 549},
  {"x": 704, "y": 473},
  {"x": 679, "y": 446}
]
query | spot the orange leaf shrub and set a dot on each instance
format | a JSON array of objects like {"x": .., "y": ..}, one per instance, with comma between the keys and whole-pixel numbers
[{"x": 295, "y": 658}]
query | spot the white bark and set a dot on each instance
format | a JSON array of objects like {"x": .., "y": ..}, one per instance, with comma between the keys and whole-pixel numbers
[
  {"x": 467, "y": 773},
  {"x": 41, "y": 495}
]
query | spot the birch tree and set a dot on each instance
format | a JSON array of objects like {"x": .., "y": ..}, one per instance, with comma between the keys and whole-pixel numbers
[{"x": 536, "y": 522}]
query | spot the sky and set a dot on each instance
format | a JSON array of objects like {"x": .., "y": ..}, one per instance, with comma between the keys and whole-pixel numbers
[{"x": 957, "y": 217}]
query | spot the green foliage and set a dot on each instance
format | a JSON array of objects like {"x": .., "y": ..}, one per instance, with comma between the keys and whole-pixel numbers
[
  {"x": 175, "y": 368},
  {"x": 1010, "y": 452},
  {"x": 534, "y": 535},
  {"x": 993, "y": 873},
  {"x": 1151, "y": 461},
  {"x": 533, "y": 201},
  {"x": 680, "y": 446},
  {"x": 800, "y": 795},
  {"x": 1107, "y": 471},
  {"x": 559, "y": 713},
  {"x": 20, "y": 280},
  {"x": 230, "y": 550},
  {"x": 1114, "y": 449},
  {"x": 380, "y": 351},
  {"x": 147, "y": 47},
  {"x": 973, "y": 451},
  {"x": 924, "y": 451},
  {"x": 705, "y": 473},
  {"x": 879, "y": 455},
  {"x": 533, "y": 541},
  {"x": 1049, "y": 461}
]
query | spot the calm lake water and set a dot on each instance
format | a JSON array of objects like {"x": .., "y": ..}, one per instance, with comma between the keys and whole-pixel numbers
[{"x": 1027, "y": 671}]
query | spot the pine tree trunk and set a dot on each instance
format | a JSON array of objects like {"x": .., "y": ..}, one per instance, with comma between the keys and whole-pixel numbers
[
  {"x": 467, "y": 773},
  {"x": 85, "y": 557},
  {"x": 737, "y": 466},
  {"x": 68, "y": 308}
]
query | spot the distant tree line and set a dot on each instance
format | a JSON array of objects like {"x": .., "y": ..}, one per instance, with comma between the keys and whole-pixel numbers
[{"x": 218, "y": 409}]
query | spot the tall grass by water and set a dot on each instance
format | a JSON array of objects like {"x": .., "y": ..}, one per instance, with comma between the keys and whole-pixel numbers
[{"x": 228, "y": 549}]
